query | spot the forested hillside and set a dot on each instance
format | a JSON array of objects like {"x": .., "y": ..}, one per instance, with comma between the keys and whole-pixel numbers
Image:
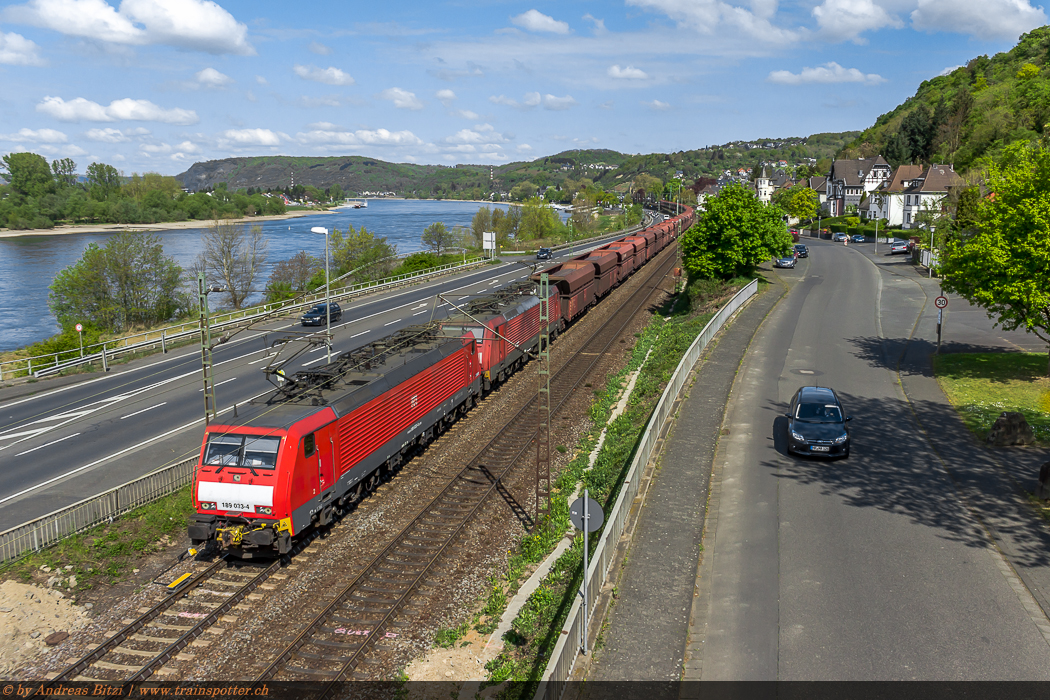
[{"x": 970, "y": 114}]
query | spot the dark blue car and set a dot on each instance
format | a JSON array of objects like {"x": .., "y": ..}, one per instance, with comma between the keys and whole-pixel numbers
[{"x": 817, "y": 423}]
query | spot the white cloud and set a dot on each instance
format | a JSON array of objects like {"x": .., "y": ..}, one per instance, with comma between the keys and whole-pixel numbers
[
  {"x": 482, "y": 134},
  {"x": 536, "y": 21},
  {"x": 524, "y": 148},
  {"x": 361, "y": 137},
  {"x": 984, "y": 19},
  {"x": 106, "y": 135},
  {"x": 249, "y": 137},
  {"x": 657, "y": 105},
  {"x": 319, "y": 48},
  {"x": 328, "y": 76},
  {"x": 209, "y": 77},
  {"x": 36, "y": 136},
  {"x": 402, "y": 99},
  {"x": 949, "y": 70},
  {"x": 840, "y": 20},
  {"x": 467, "y": 114},
  {"x": 628, "y": 73},
  {"x": 827, "y": 73},
  {"x": 155, "y": 148},
  {"x": 532, "y": 99},
  {"x": 80, "y": 109},
  {"x": 599, "y": 24},
  {"x": 261, "y": 80},
  {"x": 711, "y": 16},
  {"x": 187, "y": 147},
  {"x": 16, "y": 50},
  {"x": 322, "y": 101},
  {"x": 558, "y": 103},
  {"x": 200, "y": 25},
  {"x": 445, "y": 97}
]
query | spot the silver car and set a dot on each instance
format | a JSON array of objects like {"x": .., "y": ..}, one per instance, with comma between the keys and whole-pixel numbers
[
  {"x": 786, "y": 261},
  {"x": 899, "y": 247}
]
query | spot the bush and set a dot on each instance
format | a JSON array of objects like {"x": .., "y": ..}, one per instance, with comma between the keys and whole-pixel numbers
[{"x": 837, "y": 228}]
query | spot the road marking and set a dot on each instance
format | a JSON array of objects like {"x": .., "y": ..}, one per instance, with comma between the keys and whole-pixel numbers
[
  {"x": 421, "y": 305},
  {"x": 262, "y": 359},
  {"x": 225, "y": 381},
  {"x": 361, "y": 333},
  {"x": 462, "y": 298},
  {"x": 163, "y": 403},
  {"x": 420, "y": 312},
  {"x": 392, "y": 322},
  {"x": 47, "y": 445}
]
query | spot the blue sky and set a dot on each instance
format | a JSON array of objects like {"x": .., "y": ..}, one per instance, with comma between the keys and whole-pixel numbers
[{"x": 155, "y": 85}]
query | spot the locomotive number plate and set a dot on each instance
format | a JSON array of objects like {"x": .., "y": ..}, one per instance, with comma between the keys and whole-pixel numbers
[{"x": 235, "y": 506}]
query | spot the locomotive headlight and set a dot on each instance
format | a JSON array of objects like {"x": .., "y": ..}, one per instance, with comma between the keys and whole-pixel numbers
[
  {"x": 208, "y": 506},
  {"x": 265, "y": 510}
]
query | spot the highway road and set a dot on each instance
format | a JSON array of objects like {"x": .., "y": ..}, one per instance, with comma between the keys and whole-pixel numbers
[
  {"x": 869, "y": 568},
  {"x": 62, "y": 445}
]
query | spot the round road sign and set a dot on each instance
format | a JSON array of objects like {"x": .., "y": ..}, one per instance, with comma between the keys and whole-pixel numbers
[
  {"x": 941, "y": 302},
  {"x": 595, "y": 516},
  {"x": 79, "y": 328}
]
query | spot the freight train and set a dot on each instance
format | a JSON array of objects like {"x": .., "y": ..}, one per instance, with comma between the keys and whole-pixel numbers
[{"x": 330, "y": 435}]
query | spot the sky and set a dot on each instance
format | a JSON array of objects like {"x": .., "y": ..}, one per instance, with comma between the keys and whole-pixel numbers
[{"x": 156, "y": 85}]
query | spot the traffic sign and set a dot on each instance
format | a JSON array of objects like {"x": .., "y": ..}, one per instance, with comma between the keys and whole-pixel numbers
[
  {"x": 941, "y": 302},
  {"x": 595, "y": 516},
  {"x": 79, "y": 328}
]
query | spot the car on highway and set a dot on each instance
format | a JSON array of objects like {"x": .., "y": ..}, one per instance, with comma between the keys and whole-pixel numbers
[
  {"x": 899, "y": 247},
  {"x": 817, "y": 423},
  {"x": 857, "y": 238},
  {"x": 839, "y": 237},
  {"x": 801, "y": 251},
  {"x": 785, "y": 261},
  {"x": 544, "y": 254},
  {"x": 317, "y": 315}
]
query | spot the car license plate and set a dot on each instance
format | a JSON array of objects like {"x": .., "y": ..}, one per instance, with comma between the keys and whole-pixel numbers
[{"x": 820, "y": 448}]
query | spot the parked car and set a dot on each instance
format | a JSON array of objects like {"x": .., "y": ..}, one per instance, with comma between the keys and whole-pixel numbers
[
  {"x": 544, "y": 254},
  {"x": 900, "y": 247},
  {"x": 817, "y": 423},
  {"x": 858, "y": 238},
  {"x": 839, "y": 237},
  {"x": 317, "y": 315},
  {"x": 801, "y": 251},
  {"x": 786, "y": 261}
]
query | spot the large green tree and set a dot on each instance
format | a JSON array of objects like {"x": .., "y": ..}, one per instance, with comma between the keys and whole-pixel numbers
[
  {"x": 361, "y": 250},
  {"x": 128, "y": 282},
  {"x": 734, "y": 235},
  {"x": 103, "y": 181},
  {"x": 28, "y": 174},
  {"x": 799, "y": 202},
  {"x": 1003, "y": 263},
  {"x": 437, "y": 237}
]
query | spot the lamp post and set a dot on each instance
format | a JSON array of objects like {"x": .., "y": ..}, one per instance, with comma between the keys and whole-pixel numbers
[
  {"x": 206, "y": 346},
  {"x": 327, "y": 292}
]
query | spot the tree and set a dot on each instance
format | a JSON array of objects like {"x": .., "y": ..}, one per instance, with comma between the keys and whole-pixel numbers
[
  {"x": 103, "y": 181},
  {"x": 1002, "y": 267},
  {"x": 292, "y": 276},
  {"x": 734, "y": 235},
  {"x": 537, "y": 220},
  {"x": 437, "y": 237},
  {"x": 28, "y": 174},
  {"x": 645, "y": 185},
  {"x": 799, "y": 202},
  {"x": 233, "y": 258},
  {"x": 65, "y": 172},
  {"x": 128, "y": 282},
  {"x": 522, "y": 191},
  {"x": 360, "y": 249},
  {"x": 481, "y": 223}
]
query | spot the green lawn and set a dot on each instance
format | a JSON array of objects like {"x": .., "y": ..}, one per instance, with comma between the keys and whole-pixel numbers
[{"x": 983, "y": 385}]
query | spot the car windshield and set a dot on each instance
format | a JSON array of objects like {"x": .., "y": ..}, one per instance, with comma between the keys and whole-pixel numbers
[
  {"x": 818, "y": 413},
  {"x": 251, "y": 451}
]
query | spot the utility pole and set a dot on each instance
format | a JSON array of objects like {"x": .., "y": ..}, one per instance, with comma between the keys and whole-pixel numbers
[
  {"x": 543, "y": 431},
  {"x": 206, "y": 364}
]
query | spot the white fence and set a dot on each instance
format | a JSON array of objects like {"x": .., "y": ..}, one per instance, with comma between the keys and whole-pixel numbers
[
  {"x": 43, "y": 365},
  {"x": 927, "y": 258},
  {"x": 566, "y": 651},
  {"x": 105, "y": 507}
]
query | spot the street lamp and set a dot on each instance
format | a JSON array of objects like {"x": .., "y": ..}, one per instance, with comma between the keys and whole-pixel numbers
[{"x": 327, "y": 291}]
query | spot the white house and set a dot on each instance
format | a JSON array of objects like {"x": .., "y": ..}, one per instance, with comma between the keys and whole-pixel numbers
[
  {"x": 911, "y": 190},
  {"x": 850, "y": 180}
]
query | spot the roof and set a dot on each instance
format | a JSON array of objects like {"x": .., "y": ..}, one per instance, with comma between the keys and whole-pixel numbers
[
  {"x": 853, "y": 172},
  {"x": 936, "y": 178},
  {"x": 821, "y": 393},
  {"x": 900, "y": 178},
  {"x": 818, "y": 184}
]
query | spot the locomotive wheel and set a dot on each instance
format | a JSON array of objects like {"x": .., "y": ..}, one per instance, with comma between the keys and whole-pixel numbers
[
  {"x": 372, "y": 482},
  {"x": 355, "y": 495}
]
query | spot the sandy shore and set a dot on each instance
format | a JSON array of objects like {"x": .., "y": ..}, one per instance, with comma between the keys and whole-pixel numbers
[{"x": 166, "y": 226}]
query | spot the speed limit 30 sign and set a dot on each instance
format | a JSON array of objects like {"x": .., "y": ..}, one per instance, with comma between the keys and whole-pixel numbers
[{"x": 941, "y": 302}]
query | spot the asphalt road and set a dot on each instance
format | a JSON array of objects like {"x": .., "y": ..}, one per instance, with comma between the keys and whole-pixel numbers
[
  {"x": 869, "y": 568},
  {"x": 62, "y": 445}
]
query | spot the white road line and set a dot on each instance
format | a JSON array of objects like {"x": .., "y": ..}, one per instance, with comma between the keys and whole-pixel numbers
[
  {"x": 225, "y": 381},
  {"x": 421, "y": 312},
  {"x": 163, "y": 403},
  {"x": 361, "y": 333},
  {"x": 392, "y": 322},
  {"x": 262, "y": 359},
  {"x": 462, "y": 298},
  {"x": 46, "y": 445}
]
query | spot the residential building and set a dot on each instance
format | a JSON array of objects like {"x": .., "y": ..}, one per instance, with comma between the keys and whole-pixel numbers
[
  {"x": 850, "y": 180},
  {"x": 912, "y": 190},
  {"x": 887, "y": 202}
]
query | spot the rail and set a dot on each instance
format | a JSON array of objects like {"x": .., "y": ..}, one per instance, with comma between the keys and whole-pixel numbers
[
  {"x": 563, "y": 658},
  {"x": 51, "y": 363},
  {"x": 105, "y": 507}
]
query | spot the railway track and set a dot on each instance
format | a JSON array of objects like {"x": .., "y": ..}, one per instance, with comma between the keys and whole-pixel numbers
[
  {"x": 152, "y": 640},
  {"x": 377, "y": 603}
]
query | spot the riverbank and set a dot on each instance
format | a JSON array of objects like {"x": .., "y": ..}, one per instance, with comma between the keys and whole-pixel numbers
[{"x": 164, "y": 226}]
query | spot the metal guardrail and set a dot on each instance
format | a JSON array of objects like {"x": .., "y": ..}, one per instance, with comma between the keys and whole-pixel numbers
[
  {"x": 566, "y": 651},
  {"x": 53, "y": 362},
  {"x": 105, "y": 507}
]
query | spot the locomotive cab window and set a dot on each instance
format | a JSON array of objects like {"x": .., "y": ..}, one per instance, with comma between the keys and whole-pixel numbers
[
  {"x": 224, "y": 450},
  {"x": 309, "y": 445},
  {"x": 260, "y": 452}
]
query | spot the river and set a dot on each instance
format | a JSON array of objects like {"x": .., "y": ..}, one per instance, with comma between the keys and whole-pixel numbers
[{"x": 28, "y": 264}]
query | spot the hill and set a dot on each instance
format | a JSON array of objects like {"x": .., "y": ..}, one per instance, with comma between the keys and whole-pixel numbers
[
  {"x": 607, "y": 168},
  {"x": 969, "y": 114}
]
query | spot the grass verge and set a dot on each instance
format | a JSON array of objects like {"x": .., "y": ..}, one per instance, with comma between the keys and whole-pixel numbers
[
  {"x": 982, "y": 385},
  {"x": 107, "y": 553}
]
